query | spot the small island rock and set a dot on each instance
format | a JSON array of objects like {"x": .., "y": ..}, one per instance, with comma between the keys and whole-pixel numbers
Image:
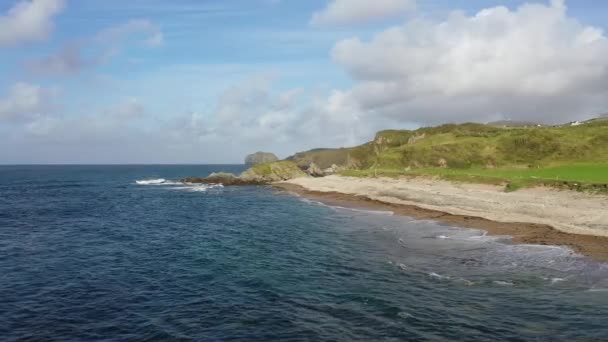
[{"x": 260, "y": 158}]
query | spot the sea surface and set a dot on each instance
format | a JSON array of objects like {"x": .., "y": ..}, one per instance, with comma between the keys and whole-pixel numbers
[{"x": 128, "y": 253}]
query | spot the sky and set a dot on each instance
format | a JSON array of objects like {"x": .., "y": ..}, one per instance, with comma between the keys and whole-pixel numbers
[{"x": 209, "y": 81}]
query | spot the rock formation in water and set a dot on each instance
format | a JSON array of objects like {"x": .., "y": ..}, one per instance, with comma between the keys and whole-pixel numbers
[
  {"x": 260, "y": 174},
  {"x": 260, "y": 158}
]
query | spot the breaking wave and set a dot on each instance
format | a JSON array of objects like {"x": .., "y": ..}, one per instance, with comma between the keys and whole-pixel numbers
[
  {"x": 158, "y": 181},
  {"x": 192, "y": 187}
]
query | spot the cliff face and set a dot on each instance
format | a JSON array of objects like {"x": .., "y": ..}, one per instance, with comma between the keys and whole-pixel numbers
[{"x": 260, "y": 158}]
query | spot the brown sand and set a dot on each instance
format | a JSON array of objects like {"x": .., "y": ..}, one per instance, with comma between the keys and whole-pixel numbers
[{"x": 530, "y": 233}]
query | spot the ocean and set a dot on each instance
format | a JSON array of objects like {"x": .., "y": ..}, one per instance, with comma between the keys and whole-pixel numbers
[{"x": 128, "y": 253}]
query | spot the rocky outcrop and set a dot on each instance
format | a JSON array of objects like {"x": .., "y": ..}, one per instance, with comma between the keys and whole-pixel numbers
[
  {"x": 415, "y": 139},
  {"x": 260, "y": 158},
  {"x": 226, "y": 179},
  {"x": 273, "y": 172},
  {"x": 260, "y": 174},
  {"x": 314, "y": 170},
  {"x": 332, "y": 170}
]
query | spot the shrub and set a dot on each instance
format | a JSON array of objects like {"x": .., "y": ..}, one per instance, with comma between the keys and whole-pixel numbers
[{"x": 529, "y": 146}]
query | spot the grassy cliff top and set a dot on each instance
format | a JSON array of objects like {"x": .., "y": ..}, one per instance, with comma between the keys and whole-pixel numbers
[{"x": 476, "y": 151}]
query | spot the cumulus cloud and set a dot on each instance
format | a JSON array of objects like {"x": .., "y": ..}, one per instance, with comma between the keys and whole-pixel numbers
[
  {"x": 252, "y": 114},
  {"x": 25, "y": 102},
  {"x": 252, "y": 111},
  {"x": 28, "y": 21},
  {"x": 533, "y": 63},
  {"x": 345, "y": 12}
]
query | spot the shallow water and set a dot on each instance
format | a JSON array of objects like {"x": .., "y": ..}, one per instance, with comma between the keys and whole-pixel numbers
[{"x": 87, "y": 253}]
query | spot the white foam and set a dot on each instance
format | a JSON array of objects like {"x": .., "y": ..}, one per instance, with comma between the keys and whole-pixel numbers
[
  {"x": 438, "y": 276},
  {"x": 337, "y": 207},
  {"x": 151, "y": 181},
  {"x": 403, "y": 267},
  {"x": 465, "y": 282},
  {"x": 193, "y": 187},
  {"x": 405, "y": 315},
  {"x": 502, "y": 283},
  {"x": 375, "y": 212},
  {"x": 198, "y": 187},
  {"x": 306, "y": 200}
]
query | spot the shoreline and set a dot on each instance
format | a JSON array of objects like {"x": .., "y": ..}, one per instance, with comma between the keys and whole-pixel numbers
[{"x": 592, "y": 246}]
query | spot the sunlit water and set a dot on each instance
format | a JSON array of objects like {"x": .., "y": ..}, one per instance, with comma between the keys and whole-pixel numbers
[{"x": 88, "y": 252}]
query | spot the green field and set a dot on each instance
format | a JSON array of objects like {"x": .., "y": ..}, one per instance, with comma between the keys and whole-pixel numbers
[
  {"x": 581, "y": 177},
  {"x": 586, "y": 173}
]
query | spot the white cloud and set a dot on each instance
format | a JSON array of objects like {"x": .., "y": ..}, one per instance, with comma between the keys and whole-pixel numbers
[
  {"x": 532, "y": 63},
  {"x": 25, "y": 102},
  {"x": 248, "y": 116},
  {"x": 70, "y": 60},
  {"x": 67, "y": 61},
  {"x": 255, "y": 116},
  {"x": 131, "y": 108},
  {"x": 28, "y": 21},
  {"x": 345, "y": 12}
]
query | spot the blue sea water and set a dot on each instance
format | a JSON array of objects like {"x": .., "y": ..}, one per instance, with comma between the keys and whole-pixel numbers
[{"x": 87, "y": 253}]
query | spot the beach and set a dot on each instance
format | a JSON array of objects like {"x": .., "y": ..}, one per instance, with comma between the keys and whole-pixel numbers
[{"x": 541, "y": 216}]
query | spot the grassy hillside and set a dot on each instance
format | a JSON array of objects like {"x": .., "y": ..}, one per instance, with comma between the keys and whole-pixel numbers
[
  {"x": 323, "y": 157},
  {"x": 519, "y": 155}
]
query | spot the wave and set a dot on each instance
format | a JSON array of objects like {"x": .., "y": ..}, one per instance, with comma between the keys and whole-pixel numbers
[
  {"x": 405, "y": 315},
  {"x": 438, "y": 276},
  {"x": 337, "y": 207},
  {"x": 158, "y": 181},
  {"x": 375, "y": 212},
  {"x": 198, "y": 187},
  {"x": 502, "y": 283},
  {"x": 179, "y": 185}
]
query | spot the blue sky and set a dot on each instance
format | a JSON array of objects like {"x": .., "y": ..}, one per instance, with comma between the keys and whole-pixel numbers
[{"x": 187, "y": 81}]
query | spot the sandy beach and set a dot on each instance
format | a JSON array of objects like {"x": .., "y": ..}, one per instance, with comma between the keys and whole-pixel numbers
[{"x": 537, "y": 215}]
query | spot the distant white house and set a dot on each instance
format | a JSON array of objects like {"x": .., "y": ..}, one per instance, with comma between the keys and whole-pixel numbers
[{"x": 575, "y": 123}]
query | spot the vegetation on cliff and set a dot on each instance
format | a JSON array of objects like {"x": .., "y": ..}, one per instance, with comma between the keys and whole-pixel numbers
[
  {"x": 567, "y": 156},
  {"x": 273, "y": 172},
  {"x": 259, "y": 174},
  {"x": 571, "y": 156}
]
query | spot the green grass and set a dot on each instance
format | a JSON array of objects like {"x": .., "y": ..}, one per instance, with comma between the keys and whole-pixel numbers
[
  {"x": 584, "y": 173},
  {"x": 591, "y": 177},
  {"x": 262, "y": 169},
  {"x": 561, "y": 156}
]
